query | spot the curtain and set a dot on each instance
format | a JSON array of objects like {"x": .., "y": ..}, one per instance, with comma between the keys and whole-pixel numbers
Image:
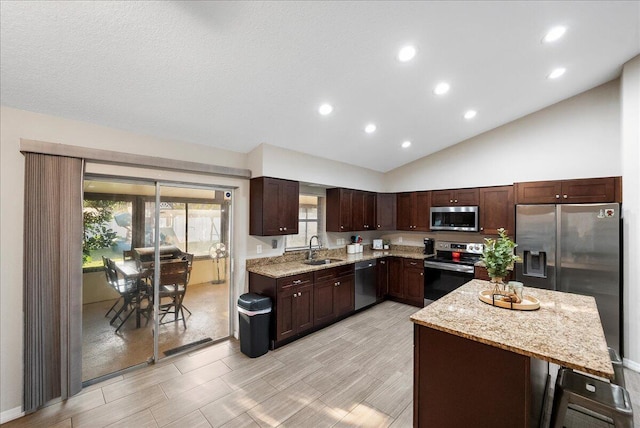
[{"x": 52, "y": 278}]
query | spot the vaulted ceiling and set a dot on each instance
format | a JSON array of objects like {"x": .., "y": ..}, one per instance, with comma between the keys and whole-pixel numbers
[{"x": 237, "y": 74}]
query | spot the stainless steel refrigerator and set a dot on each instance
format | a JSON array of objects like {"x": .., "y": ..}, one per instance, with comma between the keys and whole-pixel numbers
[{"x": 574, "y": 249}]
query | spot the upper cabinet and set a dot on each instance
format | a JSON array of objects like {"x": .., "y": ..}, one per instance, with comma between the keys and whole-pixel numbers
[
  {"x": 339, "y": 202},
  {"x": 350, "y": 210},
  {"x": 460, "y": 197},
  {"x": 497, "y": 210},
  {"x": 413, "y": 211},
  {"x": 273, "y": 206},
  {"x": 385, "y": 211},
  {"x": 588, "y": 190}
]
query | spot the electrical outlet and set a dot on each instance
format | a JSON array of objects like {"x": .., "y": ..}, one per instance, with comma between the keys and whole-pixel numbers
[
  {"x": 274, "y": 243},
  {"x": 400, "y": 240},
  {"x": 259, "y": 249}
]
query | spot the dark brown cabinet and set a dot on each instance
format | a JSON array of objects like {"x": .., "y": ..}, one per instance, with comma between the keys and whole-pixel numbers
[
  {"x": 382, "y": 278},
  {"x": 497, "y": 210},
  {"x": 273, "y": 206},
  {"x": 350, "y": 210},
  {"x": 406, "y": 280},
  {"x": 587, "y": 190},
  {"x": 451, "y": 197},
  {"x": 363, "y": 210},
  {"x": 413, "y": 211},
  {"x": 333, "y": 293},
  {"x": 339, "y": 216},
  {"x": 385, "y": 211},
  {"x": 295, "y": 311}
]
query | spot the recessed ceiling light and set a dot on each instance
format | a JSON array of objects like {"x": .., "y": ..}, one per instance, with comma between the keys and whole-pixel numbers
[
  {"x": 406, "y": 144},
  {"x": 470, "y": 114},
  {"x": 556, "y": 73},
  {"x": 406, "y": 53},
  {"x": 325, "y": 109},
  {"x": 441, "y": 88},
  {"x": 554, "y": 34},
  {"x": 370, "y": 128}
]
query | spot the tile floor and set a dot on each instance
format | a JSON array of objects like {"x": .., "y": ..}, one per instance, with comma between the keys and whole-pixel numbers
[{"x": 356, "y": 373}]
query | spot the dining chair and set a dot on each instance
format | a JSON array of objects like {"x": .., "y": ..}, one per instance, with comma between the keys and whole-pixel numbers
[
  {"x": 129, "y": 292},
  {"x": 127, "y": 255},
  {"x": 173, "y": 287},
  {"x": 105, "y": 262}
]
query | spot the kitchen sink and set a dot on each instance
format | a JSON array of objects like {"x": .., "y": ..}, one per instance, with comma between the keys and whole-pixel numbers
[{"x": 320, "y": 262}]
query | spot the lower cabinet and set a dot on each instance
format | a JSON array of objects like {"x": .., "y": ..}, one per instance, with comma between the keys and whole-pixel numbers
[
  {"x": 333, "y": 293},
  {"x": 382, "y": 273},
  {"x": 406, "y": 281},
  {"x": 295, "y": 311},
  {"x": 301, "y": 303}
]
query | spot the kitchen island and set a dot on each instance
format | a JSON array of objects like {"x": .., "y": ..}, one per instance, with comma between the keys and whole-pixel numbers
[{"x": 481, "y": 365}]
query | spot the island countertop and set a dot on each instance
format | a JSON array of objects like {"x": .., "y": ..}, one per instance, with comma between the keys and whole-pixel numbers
[{"x": 566, "y": 330}]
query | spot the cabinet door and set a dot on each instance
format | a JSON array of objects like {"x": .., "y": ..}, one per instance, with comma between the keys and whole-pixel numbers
[
  {"x": 422, "y": 207},
  {"x": 413, "y": 279},
  {"x": 382, "y": 278},
  {"x": 286, "y": 322},
  {"x": 405, "y": 217},
  {"x": 590, "y": 190},
  {"x": 339, "y": 210},
  {"x": 357, "y": 210},
  {"x": 497, "y": 210},
  {"x": 304, "y": 308},
  {"x": 345, "y": 287},
  {"x": 466, "y": 197},
  {"x": 271, "y": 208},
  {"x": 441, "y": 198},
  {"x": 323, "y": 302},
  {"x": 538, "y": 192},
  {"x": 369, "y": 209},
  {"x": 289, "y": 206},
  {"x": 395, "y": 277},
  {"x": 385, "y": 211}
]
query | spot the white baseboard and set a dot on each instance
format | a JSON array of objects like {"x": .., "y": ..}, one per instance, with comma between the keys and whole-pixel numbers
[
  {"x": 631, "y": 365},
  {"x": 11, "y": 414}
]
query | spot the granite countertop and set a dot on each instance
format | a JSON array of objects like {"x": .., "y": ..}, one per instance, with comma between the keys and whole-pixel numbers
[
  {"x": 566, "y": 330},
  {"x": 296, "y": 267}
]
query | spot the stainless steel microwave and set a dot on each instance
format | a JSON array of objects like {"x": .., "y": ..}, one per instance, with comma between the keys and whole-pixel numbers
[{"x": 461, "y": 219}]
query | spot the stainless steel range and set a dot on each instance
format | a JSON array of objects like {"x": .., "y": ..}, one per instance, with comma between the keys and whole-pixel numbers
[{"x": 451, "y": 267}]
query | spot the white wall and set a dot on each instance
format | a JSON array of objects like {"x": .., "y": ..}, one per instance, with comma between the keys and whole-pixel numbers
[
  {"x": 630, "y": 155},
  {"x": 577, "y": 137}
]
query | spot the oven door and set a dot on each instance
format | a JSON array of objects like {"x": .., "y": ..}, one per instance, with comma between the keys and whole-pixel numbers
[{"x": 443, "y": 278}]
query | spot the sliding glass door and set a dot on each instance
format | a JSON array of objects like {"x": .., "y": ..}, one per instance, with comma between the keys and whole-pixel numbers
[{"x": 168, "y": 248}]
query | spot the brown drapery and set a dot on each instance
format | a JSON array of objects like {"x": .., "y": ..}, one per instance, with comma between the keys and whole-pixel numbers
[{"x": 52, "y": 278}]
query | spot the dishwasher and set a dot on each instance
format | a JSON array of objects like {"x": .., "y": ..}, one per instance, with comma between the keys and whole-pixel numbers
[{"x": 366, "y": 284}]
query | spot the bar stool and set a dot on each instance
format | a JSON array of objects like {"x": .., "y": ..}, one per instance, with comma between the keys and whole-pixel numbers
[
  {"x": 618, "y": 370},
  {"x": 597, "y": 396}
]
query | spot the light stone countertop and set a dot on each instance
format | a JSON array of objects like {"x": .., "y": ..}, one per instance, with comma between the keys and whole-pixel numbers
[
  {"x": 280, "y": 270},
  {"x": 566, "y": 330}
]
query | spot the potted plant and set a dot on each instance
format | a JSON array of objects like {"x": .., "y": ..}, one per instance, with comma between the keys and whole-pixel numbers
[{"x": 498, "y": 257}]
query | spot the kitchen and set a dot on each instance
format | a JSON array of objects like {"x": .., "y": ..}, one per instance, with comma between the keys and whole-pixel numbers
[{"x": 580, "y": 124}]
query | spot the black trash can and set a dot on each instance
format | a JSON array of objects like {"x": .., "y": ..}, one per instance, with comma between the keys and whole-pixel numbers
[{"x": 254, "y": 312}]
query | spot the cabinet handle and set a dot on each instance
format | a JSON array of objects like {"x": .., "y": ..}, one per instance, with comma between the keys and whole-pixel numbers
[
  {"x": 456, "y": 201},
  {"x": 413, "y": 263},
  {"x": 557, "y": 196},
  {"x": 299, "y": 293},
  {"x": 382, "y": 262},
  {"x": 295, "y": 294},
  {"x": 482, "y": 228},
  {"x": 280, "y": 229},
  {"x": 297, "y": 281},
  {"x": 450, "y": 200},
  {"x": 284, "y": 228},
  {"x": 564, "y": 196},
  {"x": 341, "y": 227},
  {"x": 421, "y": 274},
  {"x": 378, "y": 226}
]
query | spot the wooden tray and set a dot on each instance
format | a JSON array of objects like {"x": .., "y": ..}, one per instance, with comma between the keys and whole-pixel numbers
[{"x": 529, "y": 303}]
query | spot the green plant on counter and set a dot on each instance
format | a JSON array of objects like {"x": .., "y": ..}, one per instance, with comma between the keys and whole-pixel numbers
[{"x": 498, "y": 255}]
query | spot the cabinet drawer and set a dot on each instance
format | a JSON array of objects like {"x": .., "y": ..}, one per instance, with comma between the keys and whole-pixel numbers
[
  {"x": 335, "y": 272},
  {"x": 294, "y": 281},
  {"x": 412, "y": 264}
]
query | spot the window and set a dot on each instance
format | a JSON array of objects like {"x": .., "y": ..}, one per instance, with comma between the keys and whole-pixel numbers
[
  {"x": 308, "y": 223},
  {"x": 107, "y": 230},
  {"x": 191, "y": 226}
]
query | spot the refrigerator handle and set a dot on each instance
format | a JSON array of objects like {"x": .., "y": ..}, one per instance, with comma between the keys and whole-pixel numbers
[{"x": 558, "y": 264}]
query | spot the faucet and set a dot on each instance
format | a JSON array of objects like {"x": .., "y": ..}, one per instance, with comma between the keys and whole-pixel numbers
[{"x": 312, "y": 253}]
